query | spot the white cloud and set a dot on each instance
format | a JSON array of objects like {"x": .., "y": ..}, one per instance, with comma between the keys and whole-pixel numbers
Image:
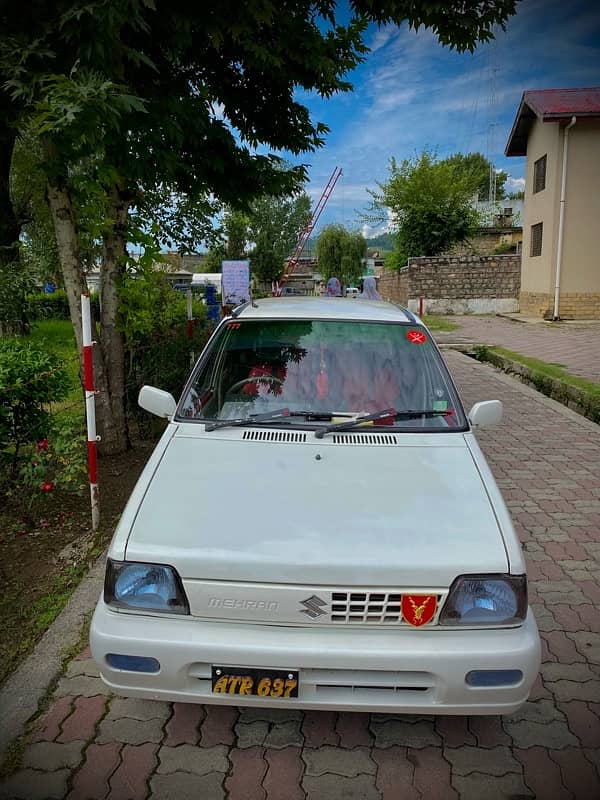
[
  {"x": 381, "y": 38},
  {"x": 514, "y": 185}
]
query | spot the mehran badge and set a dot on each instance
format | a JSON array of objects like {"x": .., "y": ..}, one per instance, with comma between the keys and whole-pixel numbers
[{"x": 418, "y": 609}]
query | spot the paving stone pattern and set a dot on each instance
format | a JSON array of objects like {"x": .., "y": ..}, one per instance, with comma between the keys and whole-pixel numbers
[{"x": 547, "y": 462}]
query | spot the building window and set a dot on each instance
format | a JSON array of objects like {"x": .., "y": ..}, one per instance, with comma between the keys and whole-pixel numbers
[
  {"x": 536, "y": 239},
  {"x": 539, "y": 174}
]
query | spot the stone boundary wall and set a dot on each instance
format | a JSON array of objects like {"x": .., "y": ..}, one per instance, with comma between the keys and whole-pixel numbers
[
  {"x": 456, "y": 284},
  {"x": 394, "y": 286}
]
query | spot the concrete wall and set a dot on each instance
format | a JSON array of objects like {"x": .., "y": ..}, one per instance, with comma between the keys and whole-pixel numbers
[
  {"x": 456, "y": 285},
  {"x": 580, "y": 268},
  {"x": 536, "y": 272}
]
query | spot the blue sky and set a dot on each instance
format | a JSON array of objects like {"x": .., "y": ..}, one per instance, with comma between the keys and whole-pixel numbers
[{"x": 411, "y": 93}]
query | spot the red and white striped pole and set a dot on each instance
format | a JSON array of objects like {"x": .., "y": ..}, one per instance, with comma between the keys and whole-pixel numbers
[{"x": 90, "y": 408}]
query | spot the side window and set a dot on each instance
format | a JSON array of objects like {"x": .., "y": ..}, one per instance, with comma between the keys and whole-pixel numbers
[
  {"x": 539, "y": 175},
  {"x": 536, "y": 239}
]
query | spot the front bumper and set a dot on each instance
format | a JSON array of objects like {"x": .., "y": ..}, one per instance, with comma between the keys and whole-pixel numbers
[{"x": 351, "y": 669}]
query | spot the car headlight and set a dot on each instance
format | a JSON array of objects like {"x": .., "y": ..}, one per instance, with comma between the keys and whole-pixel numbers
[
  {"x": 145, "y": 587},
  {"x": 486, "y": 600}
]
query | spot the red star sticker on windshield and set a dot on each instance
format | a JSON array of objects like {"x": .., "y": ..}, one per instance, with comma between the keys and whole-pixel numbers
[{"x": 416, "y": 337}]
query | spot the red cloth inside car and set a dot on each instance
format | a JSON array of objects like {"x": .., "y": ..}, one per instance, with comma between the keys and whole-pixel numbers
[{"x": 263, "y": 387}]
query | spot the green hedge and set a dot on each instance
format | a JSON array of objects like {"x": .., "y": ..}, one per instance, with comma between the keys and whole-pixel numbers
[{"x": 53, "y": 306}]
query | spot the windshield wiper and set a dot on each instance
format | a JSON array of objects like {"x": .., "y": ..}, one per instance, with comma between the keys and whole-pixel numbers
[
  {"x": 316, "y": 415},
  {"x": 281, "y": 413},
  {"x": 388, "y": 412},
  {"x": 251, "y": 420}
]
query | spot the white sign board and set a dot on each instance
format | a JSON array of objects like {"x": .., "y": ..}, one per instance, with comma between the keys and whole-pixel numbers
[{"x": 235, "y": 282}]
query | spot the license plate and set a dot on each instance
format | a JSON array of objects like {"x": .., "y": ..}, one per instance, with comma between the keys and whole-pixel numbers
[{"x": 255, "y": 681}]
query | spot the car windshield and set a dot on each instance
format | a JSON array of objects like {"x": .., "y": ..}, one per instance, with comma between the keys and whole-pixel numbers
[{"x": 322, "y": 372}]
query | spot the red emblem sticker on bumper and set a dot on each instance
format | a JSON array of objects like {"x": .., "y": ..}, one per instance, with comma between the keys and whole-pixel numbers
[{"x": 418, "y": 609}]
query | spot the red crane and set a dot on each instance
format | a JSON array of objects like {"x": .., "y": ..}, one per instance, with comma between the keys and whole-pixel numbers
[{"x": 305, "y": 235}]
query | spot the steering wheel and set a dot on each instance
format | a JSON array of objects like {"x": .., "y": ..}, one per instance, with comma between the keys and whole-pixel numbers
[{"x": 254, "y": 379}]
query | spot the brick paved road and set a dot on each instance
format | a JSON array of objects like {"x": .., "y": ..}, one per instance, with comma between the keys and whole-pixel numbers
[
  {"x": 576, "y": 346},
  {"x": 547, "y": 462}
]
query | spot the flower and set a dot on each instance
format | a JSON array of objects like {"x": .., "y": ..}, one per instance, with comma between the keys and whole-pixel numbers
[
  {"x": 43, "y": 445},
  {"x": 47, "y": 486}
]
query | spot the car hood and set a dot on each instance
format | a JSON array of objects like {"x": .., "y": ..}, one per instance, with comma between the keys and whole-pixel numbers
[{"x": 413, "y": 513}]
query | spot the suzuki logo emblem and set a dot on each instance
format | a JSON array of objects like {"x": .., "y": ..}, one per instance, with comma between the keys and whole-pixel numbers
[{"x": 313, "y": 607}]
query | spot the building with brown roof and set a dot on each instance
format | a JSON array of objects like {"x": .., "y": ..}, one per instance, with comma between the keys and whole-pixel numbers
[{"x": 559, "y": 132}]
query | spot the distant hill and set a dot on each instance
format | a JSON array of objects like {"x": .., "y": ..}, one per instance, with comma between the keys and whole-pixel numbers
[{"x": 384, "y": 241}]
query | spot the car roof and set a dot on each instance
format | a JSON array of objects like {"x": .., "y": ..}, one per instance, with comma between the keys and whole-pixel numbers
[{"x": 324, "y": 308}]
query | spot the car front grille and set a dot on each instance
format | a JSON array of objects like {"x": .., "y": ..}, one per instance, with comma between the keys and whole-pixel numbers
[
  {"x": 375, "y": 607},
  {"x": 285, "y": 604}
]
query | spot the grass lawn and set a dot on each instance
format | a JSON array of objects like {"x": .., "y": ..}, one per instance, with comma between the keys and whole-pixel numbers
[
  {"x": 435, "y": 323},
  {"x": 550, "y": 370}
]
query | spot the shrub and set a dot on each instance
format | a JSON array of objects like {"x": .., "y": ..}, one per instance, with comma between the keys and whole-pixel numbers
[
  {"x": 158, "y": 346},
  {"x": 14, "y": 285},
  {"x": 149, "y": 305},
  {"x": 30, "y": 378},
  {"x": 481, "y": 352},
  {"x": 504, "y": 248},
  {"x": 53, "y": 306},
  {"x": 56, "y": 462}
]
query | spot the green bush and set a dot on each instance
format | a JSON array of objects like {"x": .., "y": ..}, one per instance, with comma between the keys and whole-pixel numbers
[
  {"x": 54, "y": 306},
  {"x": 48, "y": 306},
  {"x": 30, "y": 378},
  {"x": 481, "y": 352},
  {"x": 157, "y": 341},
  {"x": 504, "y": 248},
  {"x": 14, "y": 285},
  {"x": 149, "y": 305},
  {"x": 164, "y": 361},
  {"x": 56, "y": 462}
]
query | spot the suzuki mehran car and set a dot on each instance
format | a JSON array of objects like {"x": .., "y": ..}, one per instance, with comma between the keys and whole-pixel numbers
[{"x": 240, "y": 573}]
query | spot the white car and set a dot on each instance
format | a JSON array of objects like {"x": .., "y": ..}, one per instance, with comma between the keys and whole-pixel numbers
[
  {"x": 240, "y": 574},
  {"x": 352, "y": 291}
]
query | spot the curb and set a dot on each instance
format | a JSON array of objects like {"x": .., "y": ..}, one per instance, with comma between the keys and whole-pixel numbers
[
  {"x": 26, "y": 687},
  {"x": 573, "y": 398}
]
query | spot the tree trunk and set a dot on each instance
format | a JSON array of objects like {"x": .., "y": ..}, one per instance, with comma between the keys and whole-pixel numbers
[
  {"x": 108, "y": 354},
  {"x": 67, "y": 240},
  {"x": 111, "y": 337}
]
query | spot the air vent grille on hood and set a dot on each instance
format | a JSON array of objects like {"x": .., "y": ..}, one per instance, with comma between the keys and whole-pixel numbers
[
  {"x": 365, "y": 438},
  {"x": 275, "y": 436}
]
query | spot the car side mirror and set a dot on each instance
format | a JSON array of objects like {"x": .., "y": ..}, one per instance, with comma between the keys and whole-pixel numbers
[
  {"x": 156, "y": 401},
  {"x": 485, "y": 414}
]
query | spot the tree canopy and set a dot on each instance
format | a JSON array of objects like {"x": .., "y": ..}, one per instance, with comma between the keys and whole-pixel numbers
[
  {"x": 431, "y": 204},
  {"x": 479, "y": 167},
  {"x": 340, "y": 254},
  {"x": 275, "y": 225}
]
